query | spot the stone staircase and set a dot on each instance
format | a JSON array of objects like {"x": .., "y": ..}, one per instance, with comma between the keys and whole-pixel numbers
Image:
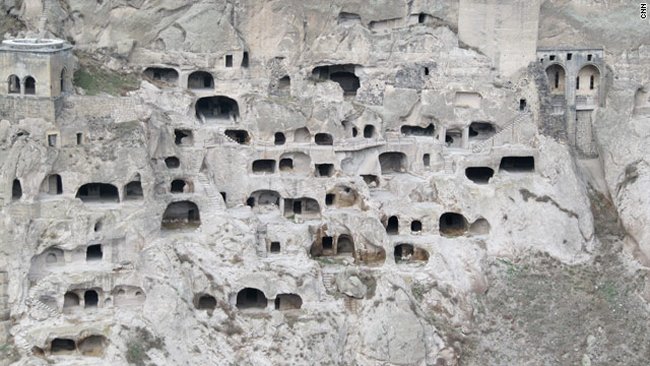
[
  {"x": 260, "y": 236},
  {"x": 42, "y": 22},
  {"x": 506, "y": 135},
  {"x": 351, "y": 304},
  {"x": 204, "y": 185},
  {"x": 43, "y": 310},
  {"x": 329, "y": 281},
  {"x": 24, "y": 345}
]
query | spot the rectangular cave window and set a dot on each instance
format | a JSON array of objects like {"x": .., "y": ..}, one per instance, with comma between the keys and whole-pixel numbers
[
  {"x": 551, "y": 57},
  {"x": 275, "y": 247},
  {"x": 297, "y": 207},
  {"x": 324, "y": 170},
  {"x": 522, "y": 104},
  {"x": 264, "y": 166},
  {"x": 51, "y": 140},
  {"x": 328, "y": 243},
  {"x": 517, "y": 163},
  {"x": 286, "y": 164},
  {"x": 329, "y": 199},
  {"x": 79, "y": 138},
  {"x": 426, "y": 71},
  {"x": 577, "y": 82},
  {"x": 426, "y": 159},
  {"x": 569, "y": 56},
  {"x": 589, "y": 57},
  {"x": 94, "y": 252},
  {"x": 228, "y": 60}
]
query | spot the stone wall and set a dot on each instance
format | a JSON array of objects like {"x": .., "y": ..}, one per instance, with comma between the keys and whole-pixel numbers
[{"x": 506, "y": 31}]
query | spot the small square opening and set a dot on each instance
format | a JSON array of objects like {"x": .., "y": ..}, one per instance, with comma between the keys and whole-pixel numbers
[
  {"x": 51, "y": 140},
  {"x": 275, "y": 247},
  {"x": 228, "y": 60}
]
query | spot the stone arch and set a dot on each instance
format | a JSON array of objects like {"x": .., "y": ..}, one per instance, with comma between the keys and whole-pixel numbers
[
  {"x": 344, "y": 245},
  {"x": 126, "y": 295},
  {"x": 588, "y": 80},
  {"x": 166, "y": 75},
  {"x": 91, "y": 299},
  {"x": 410, "y": 253},
  {"x": 13, "y": 84},
  {"x": 29, "y": 85},
  {"x": 70, "y": 299},
  {"x": 92, "y": 345},
  {"x": 288, "y": 302},
  {"x": 63, "y": 81},
  {"x": 181, "y": 186},
  {"x": 452, "y": 224},
  {"x": 200, "y": 80},
  {"x": 392, "y": 225},
  {"x": 323, "y": 138},
  {"x": 300, "y": 162},
  {"x": 279, "y": 138},
  {"x": 264, "y": 198},
  {"x": 98, "y": 192},
  {"x": 303, "y": 206},
  {"x": 480, "y": 227},
  {"x": 218, "y": 107},
  {"x": 16, "y": 190},
  {"x": 62, "y": 346},
  {"x": 251, "y": 298},
  {"x": 181, "y": 214},
  {"x": 52, "y": 185},
  {"x": 556, "y": 76},
  {"x": 205, "y": 302},
  {"x": 368, "y": 131},
  {"x": 302, "y": 135},
  {"x": 392, "y": 162},
  {"x": 133, "y": 190}
]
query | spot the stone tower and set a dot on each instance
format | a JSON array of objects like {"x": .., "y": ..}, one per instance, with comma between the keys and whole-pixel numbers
[{"x": 37, "y": 73}]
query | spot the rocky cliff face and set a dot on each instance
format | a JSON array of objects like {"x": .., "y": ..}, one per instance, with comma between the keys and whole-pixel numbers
[{"x": 338, "y": 183}]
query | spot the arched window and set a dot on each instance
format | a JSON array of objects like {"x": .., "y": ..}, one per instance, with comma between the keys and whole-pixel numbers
[
  {"x": 591, "y": 77},
  {"x": 217, "y": 108},
  {"x": 16, "y": 190},
  {"x": 30, "y": 85},
  {"x": 556, "y": 75},
  {"x": 200, "y": 80},
  {"x": 63, "y": 83},
  {"x": 14, "y": 84},
  {"x": 181, "y": 214},
  {"x": 251, "y": 298}
]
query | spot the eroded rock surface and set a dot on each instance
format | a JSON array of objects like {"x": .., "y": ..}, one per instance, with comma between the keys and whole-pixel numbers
[{"x": 337, "y": 183}]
